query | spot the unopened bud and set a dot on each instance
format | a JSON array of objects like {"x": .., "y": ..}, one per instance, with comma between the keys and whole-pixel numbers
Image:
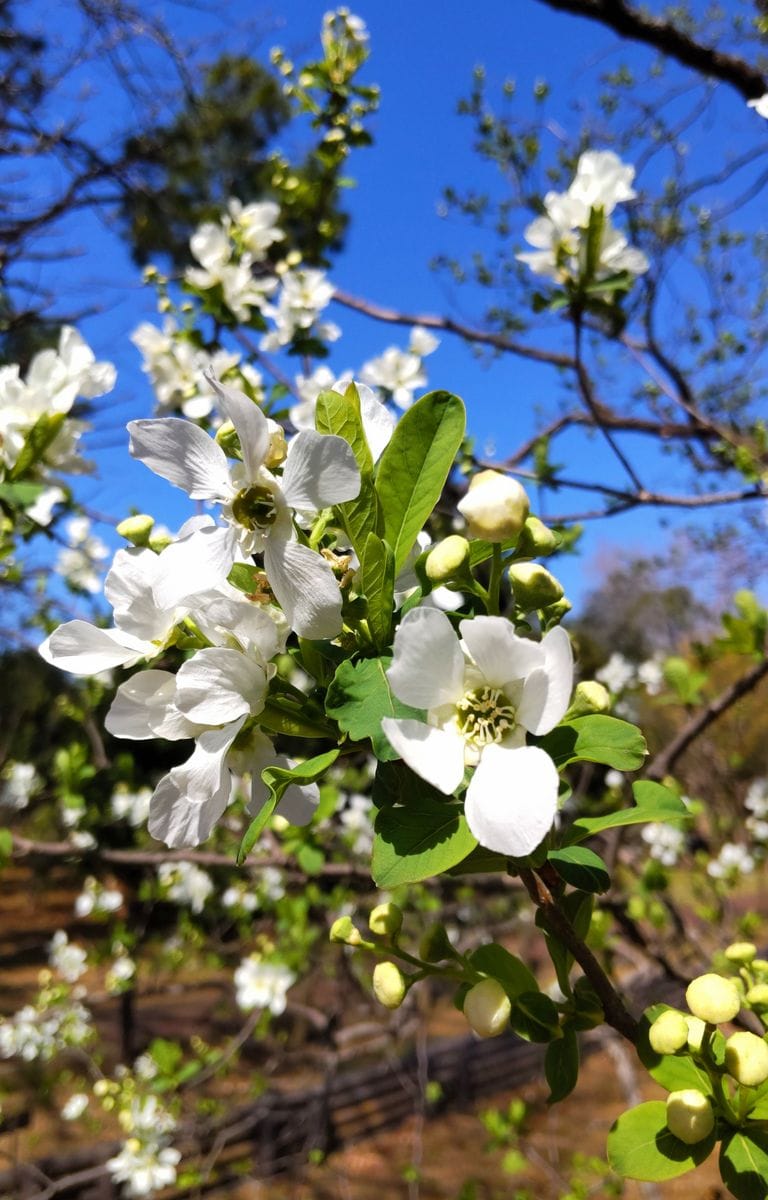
[
  {"x": 536, "y": 540},
  {"x": 278, "y": 447},
  {"x": 448, "y": 560},
  {"x": 434, "y": 945},
  {"x": 757, "y": 996},
  {"x": 696, "y": 1030},
  {"x": 159, "y": 539},
  {"x": 669, "y": 1032},
  {"x": 389, "y": 984},
  {"x": 746, "y": 1058},
  {"x": 495, "y": 507},
  {"x": 343, "y": 930},
  {"x": 386, "y": 920},
  {"x": 487, "y": 1008},
  {"x": 589, "y": 697},
  {"x": 741, "y": 952},
  {"x": 760, "y": 965},
  {"x": 136, "y": 529},
  {"x": 713, "y": 999},
  {"x": 689, "y": 1116},
  {"x": 226, "y": 437},
  {"x": 534, "y": 586}
]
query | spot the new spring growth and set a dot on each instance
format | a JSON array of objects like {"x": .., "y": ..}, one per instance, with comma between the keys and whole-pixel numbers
[
  {"x": 136, "y": 529},
  {"x": 533, "y": 586},
  {"x": 345, "y": 932},
  {"x": 741, "y": 953},
  {"x": 690, "y": 1116},
  {"x": 746, "y": 1058},
  {"x": 536, "y": 540},
  {"x": 495, "y": 507},
  {"x": 487, "y": 1008},
  {"x": 589, "y": 697},
  {"x": 386, "y": 920},
  {"x": 713, "y": 999},
  {"x": 389, "y": 984},
  {"x": 669, "y": 1032},
  {"x": 449, "y": 560}
]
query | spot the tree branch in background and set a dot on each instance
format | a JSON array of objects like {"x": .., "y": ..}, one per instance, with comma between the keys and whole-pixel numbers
[{"x": 638, "y": 26}]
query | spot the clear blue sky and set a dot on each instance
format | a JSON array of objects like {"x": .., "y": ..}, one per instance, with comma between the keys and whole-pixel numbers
[{"x": 423, "y": 55}]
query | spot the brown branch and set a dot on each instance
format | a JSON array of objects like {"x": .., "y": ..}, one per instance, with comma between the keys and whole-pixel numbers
[
  {"x": 665, "y": 760},
  {"x": 616, "y": 1015},
  {"x": 482, "y": 337},
  {"x": 662, "y": 35}
]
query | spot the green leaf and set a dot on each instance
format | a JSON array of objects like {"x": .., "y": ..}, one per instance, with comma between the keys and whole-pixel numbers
[
  {"x": 6, "y": 846},
  {"x": 245, "y": 577},
  {"x": 654, "y": 803},
  {"x": 415, "y": 465},
  {"x": 561, "y": 1066},
  {"x": 419, "y": 840},
  {"x": 535, "y": 1017},
  {"x": 20, "y": 495},
  {"x": 37, "y": 442},
  {"x": 360, "y": 696},
  {"x": 640, "y": 1146},
  {"x": 340, "y": 415},
  {"x": 674, "y": 1072},
  {"x": 376, "y": 580},
  {"x": 480, "y": 862},
  {"x": 510, "y": 971},
  {"x": 744, "y": 1163},
  {"x": 278, "y": 780},
  {"x": 598, "y": 739},
  {"x": 582, "y": 868}
]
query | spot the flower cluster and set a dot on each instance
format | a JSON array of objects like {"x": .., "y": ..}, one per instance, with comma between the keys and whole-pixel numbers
[{"x": 262, "y": 984}]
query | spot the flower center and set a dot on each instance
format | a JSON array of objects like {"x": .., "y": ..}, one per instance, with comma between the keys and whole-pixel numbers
[
  {"x": 485, "y": 716},
  {"x": 255, "y": 507}
]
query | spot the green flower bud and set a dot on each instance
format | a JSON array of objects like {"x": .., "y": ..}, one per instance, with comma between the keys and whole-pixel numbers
[
  {"x": 536, "y": 540},
  {"x": 534, "y": 586},
  {"x": 487, "y": 1008},
  {"x": 669, "y": 1032},
  {"x": 344, "y": 931},
  {"x": 713, "y": 998},
  {"x": 556, "y": 612},
  {"x": 746, "y": 1058},
  {"x": 386, "y": 920},
  {"x": 741, "y": 952},
  {"x": 689, "y": 1116},
  {"x": 389, "y": 984},
  {"x": 757, "y": 996},
  {"x": 136, "y": 529},
  {"x": 589, "y": 697},
  {"x": 434, "y": 945},
  {"x": 495, "y": 507},
  {"x": 760, "y": 965},
  {"x": 448, "y": 560},
  {"x": 696, "y": 1030},
  {"x": 226, "y": 437}
]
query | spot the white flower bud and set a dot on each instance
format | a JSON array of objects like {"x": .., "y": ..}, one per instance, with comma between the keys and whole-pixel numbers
[
  {"x": 696, "y": 1030},
  {"x": 487, "y": 1008},
  {"x": 689, "y": 1116},
  {"x": 536, "y": 539},
  {"x": 669, "y": 1032},
  {"x": 589, "y": 697},
  {"x": 495, "y": 507},
  {"x": 136, "y": 529},
  {"x": 386, "y": 920},
  {"x": 448, "y": 559},
  {"x": 741, "y": 952},
  {"x": 389, "y": 985},
  {"x": 344, "y": 931},
  {"x": 746, "y": 1058},
  {"x": 757, "y": 996},
  {"x": 713, "y": 999},
  {"x": 534, "y": 586}
]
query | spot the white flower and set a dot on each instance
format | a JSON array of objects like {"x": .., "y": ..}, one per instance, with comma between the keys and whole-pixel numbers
[
  {"x": 665, "y": 842},
  {"x": 482, "y": 696},
  {"x": 422, "y": 342},
  {"x": 41, "y": 510},
  {"x": 304, "y": 293},
  {"x": 176, "y": 368},
  {"x": 97, "y": 899},
  {"x": 185, "y": 884},
  {"x": 256, "y": 224},
  {"x": 760, "y": 105},
  {"x": 69, "y": 960},
  {"x": 262, "y": 985},
  {"x": 240, "y": 896},
  {"x": 614, "y": 778},
  {"x": 756, "y": 799},
  {"x": 617, "y": 674},
  {"x": 651, "y": 675},
  {"x": 357, "y": 819},
  {"x": 602, "y": 180},
  {"x": 733, "y": 859},
  {"x": 144, "y": 1168},
  {"x": 120, "y": 973},
  {"x": 319, "y": 471},
  {"x": 80, "y": 562},
  {"x": 241, "y": 289},
  {"x": 132, "y": 807},
  {"x": 396, "y": 372},
  {"x": 75, "y": 1106},
  {"x": 378, "y": 422},
  {"x": 18, "y": 784}
]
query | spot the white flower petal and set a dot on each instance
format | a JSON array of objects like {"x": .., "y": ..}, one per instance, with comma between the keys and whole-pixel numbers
[
  {"x": 428, "y": 666},
  {"x": 547, "y": 692},
  {"x": 135, "y": 700},
  {"x": 378, "y": 421},
  {"x": 196, "y": 563},
  {"x": 299, "y": 800},
  {"x": 499, "y": 654},
  {"x": 436, "y": 755},
  {"x": 84, "y": 649},
  {"x": 218, "y": 685},
  {"x": 512, "y": 799},
  {"x": 188, "y": 802},
  {"x": 320, "y": 470},
  {"x": 182, "y": 453},
  {"x": 248, "y": 420},
  {"x": 305, "y": 587},
  {"x": 129, "y": 589}
]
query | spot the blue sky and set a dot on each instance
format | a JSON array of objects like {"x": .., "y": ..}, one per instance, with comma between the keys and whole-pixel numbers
[{"x": 422, "y": 56}]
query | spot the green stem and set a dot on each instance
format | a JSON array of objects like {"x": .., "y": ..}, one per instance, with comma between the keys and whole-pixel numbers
[{"x": 494, "y": 586}]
